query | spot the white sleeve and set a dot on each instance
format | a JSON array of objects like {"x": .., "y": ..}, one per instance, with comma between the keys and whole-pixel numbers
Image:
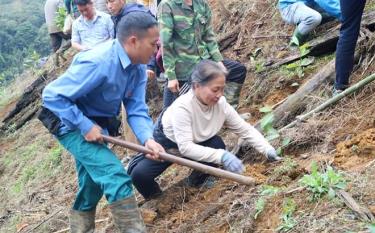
[{"x": 182, "y": 128}]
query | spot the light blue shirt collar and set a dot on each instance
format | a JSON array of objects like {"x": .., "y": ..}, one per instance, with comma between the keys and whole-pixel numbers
[
  {"x": 97, "y": 15},
  {"x": 124, "y": 58}
]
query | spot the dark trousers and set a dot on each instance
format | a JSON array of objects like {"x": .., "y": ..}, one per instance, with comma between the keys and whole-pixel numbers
[
  {"x": 352, "y": 11},
  {"x": 143, "y": 171},
  {"x": 56, "y": 40},
  {"x": 236, "y": 73}
]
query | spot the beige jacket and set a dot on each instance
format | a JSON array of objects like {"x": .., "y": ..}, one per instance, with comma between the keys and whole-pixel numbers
[
  {"x": 187, "y": 122},
  {"x": 50, "y": 13}
]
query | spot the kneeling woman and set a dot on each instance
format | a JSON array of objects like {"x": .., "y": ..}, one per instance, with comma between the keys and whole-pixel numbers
[{"x": 191, "y": 125}]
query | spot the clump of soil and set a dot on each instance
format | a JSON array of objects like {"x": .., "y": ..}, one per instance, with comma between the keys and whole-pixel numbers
[
  {"x": 354, "y": 153},
  {"x": 257, "y": 172}
]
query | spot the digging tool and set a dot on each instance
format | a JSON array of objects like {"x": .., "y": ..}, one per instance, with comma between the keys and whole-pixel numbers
[{"x": 184, "y": 162}]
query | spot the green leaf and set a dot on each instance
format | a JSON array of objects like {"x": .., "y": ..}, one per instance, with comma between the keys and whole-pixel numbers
[
  {"x": 272, "y": 137},
  {"x": 279, "y": 151},
  {"x": 295, "y": 40},
  {"x": 292, "y": 66},
  {"x": 266, "y": 109},
  {"x": 267, "y": 120},
  {"x": 269, "y": 190},
  {"x": 371, "y": 227},
  {"x": 331, "y": 193},
  {"x": 259, "y": 207},
  {"x": 270, "y": 131},
  {"x": 314, "y": 168},
  {"x": 304, "y": 49},
  {"x": 307, "y": 61},
  {"x": 285, "y": 142}
]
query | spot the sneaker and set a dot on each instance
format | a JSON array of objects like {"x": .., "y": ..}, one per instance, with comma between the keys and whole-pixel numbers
[
  {"x": 208, "y": 183},
  {"x": 336, "y": 91}
]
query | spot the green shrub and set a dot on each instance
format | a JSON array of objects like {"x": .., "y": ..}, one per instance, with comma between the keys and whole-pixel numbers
[{"x": 323, "y": 183}]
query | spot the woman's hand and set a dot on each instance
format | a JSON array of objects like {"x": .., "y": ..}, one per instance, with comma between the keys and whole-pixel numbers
[
  {"x": 272, "y": 156},
  {"x": 232, "y": 163}
]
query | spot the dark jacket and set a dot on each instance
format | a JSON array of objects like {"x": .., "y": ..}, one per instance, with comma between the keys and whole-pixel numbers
[{"x": 129, "y": 7}]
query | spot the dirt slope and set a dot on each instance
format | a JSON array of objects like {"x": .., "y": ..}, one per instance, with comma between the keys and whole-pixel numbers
[{"x": 38, "y": 182}]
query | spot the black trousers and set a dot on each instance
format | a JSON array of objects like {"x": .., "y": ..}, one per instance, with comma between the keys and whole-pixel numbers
[
  {"x": 56, "y": 40},
  {"x": 352, "y": 11},
  {"x": 143, "y": 171},
  {"x": 236, "y": 73}
]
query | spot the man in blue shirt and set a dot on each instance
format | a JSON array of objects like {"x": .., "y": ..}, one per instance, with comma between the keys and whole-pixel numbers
[
  {"x": 307, "y": 15},
  {"x": 92, "y": 27},
  {"x": 91, "y": 90}
]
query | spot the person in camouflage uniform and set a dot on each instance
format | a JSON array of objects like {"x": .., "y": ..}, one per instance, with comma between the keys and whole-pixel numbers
[{"x": 187, "y": 38}]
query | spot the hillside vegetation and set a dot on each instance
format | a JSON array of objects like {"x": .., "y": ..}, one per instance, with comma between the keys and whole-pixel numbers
[
  {"x": 23, "y": 36},
  {"x": 326, "y": 182}
]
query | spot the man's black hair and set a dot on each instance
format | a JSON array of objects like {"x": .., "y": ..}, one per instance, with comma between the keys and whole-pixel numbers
[
  {"x": 82, "y": 2},
  {"x": 135, "y": 23}
]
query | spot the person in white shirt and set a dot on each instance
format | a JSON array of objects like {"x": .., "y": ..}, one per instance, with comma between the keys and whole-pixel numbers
[
  {"x": 92, "y": 27},
  {"x": 191, "y": 125}
]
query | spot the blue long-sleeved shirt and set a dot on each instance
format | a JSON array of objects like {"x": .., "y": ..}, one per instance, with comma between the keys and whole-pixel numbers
[
  {"x": 94, "y": 85},
  {"x": 332, "y": 7}
]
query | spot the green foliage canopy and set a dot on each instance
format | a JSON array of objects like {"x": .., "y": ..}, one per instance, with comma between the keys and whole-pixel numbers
[{"x": 22, "y": 33}]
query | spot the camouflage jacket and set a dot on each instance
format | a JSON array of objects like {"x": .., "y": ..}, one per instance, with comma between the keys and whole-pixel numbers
[{"x": 187, "y": 37}]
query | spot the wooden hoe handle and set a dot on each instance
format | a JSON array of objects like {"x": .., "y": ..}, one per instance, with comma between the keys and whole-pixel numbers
[{"x": 184, "y": 162}]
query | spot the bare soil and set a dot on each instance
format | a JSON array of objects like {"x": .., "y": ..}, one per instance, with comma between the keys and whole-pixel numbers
[{"x": 38, "y": 180}]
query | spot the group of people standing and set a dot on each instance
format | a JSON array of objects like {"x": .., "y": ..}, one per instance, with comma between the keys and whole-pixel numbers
[{"x": 200, "y": 97}]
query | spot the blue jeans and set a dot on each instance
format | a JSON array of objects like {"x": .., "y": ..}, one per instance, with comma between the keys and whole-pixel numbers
[
  {"x": 99, "y": 172},
  {"x": 352, "y": 11},
  {"x": 305, "y": 17}
]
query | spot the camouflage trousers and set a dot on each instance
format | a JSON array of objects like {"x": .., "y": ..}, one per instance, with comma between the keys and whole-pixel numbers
[{"x": 235, "y": 79}]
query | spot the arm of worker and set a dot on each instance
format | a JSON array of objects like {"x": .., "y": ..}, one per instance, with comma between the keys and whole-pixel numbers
[
  {"x": 332, "y": 7},
  {"x": 209, "y": 36},
  {"x": 76, "y": 37},
  {"x": 165, "y": 19},
  {"x": 137, "y": 110},
  {"x": 60, "y": 95},
  {"x": 247, "y": 132},
  {"x": 79, "y": 47},
  {"x": 138, "y": 118},
  {"x": 184, "y": 139}
]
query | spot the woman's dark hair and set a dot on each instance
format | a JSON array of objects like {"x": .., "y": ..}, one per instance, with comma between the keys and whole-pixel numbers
[{"x": 205, "y": 71}]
